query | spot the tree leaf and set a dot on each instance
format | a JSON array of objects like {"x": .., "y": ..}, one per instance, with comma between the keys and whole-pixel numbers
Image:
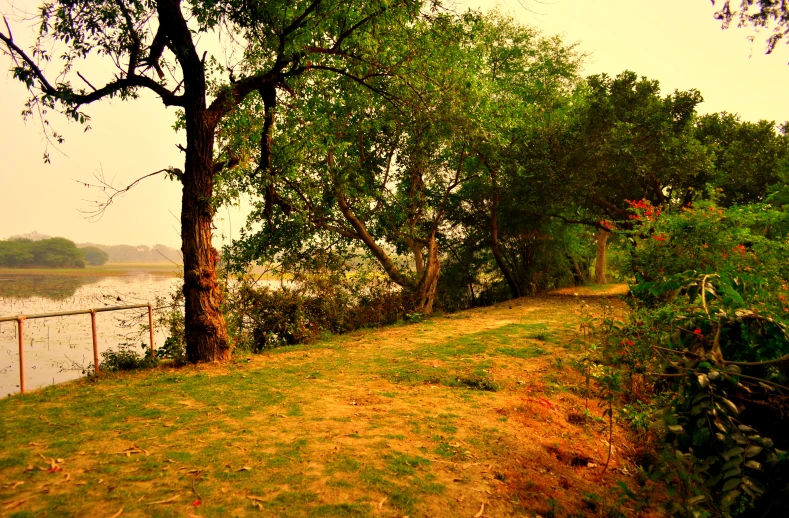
[{"x": 731, "y": 484}]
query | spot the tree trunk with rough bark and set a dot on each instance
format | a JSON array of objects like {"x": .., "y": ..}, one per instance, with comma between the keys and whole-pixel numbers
[
  {"x": 205, "y": 330},
  {"x": 429, "y": 280},
  {"x": 206, "y": 333},
  {"x": 599, "y": 266}
]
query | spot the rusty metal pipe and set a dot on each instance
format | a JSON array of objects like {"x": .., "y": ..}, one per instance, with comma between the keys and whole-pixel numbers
[
  {"x": 20, "y": 322},
  {"x": 95, "y": 342},
  {"x": 150, "y": 327},
  {"x": 76, "y": 312}
]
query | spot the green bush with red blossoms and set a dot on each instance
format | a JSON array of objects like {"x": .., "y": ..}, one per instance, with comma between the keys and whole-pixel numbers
[{"x": 708, "y": 338}]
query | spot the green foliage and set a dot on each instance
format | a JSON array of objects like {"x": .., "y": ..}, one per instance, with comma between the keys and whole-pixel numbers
[
  {"x": 627, "y": 141},
  {"x": 750, "y": 157},
  {"x": 354, "y": 168},
  {"x": 55, "y": 252},
  {"x": 95, "y": 256},
  {"x": 748, "y": 239},
  {"x": 171, "y": 317},
  {"x": 327, "y": 301},
  {"x": 710, "y": 326},
  {"x": 126, "y": 358}
]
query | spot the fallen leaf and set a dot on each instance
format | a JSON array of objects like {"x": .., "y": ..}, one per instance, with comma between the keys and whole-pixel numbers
[
  {"x": 16, "y": 503},
  {"x": 245, "y": 468},
  {"x": 481, "y": 510},
  {"x": 381, "y": 504},
  {"x": 118, "y": 513},
  {"x": 30, "y": 468},
  {"x": 60, "y": 461}
]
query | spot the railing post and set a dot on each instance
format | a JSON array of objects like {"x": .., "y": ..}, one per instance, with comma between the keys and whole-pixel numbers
[
  {"x": 95, "y": 342},
  {"x": 20, "y": 322},
  {"x": 150, "y": 327}
]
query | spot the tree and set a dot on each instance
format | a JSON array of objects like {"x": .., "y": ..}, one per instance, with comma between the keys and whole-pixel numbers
[
  {"x": 95, "y": 256},
  {"x": 153, "y": 45},
  {"x": 53, "y": 252},
  {"x": 628, "y": 142},
  {"x": 772, "y": 15},
  {"x": 749, "y": 157},
  {"x": 356, "y": 168}
]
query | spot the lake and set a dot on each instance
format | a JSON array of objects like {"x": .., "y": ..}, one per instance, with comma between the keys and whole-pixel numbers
[{"x": 58, "y": 349}]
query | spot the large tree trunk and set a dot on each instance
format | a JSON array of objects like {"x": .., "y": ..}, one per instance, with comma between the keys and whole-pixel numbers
[
  {"x": 206, "y": 333},
  {"x": 429, "y": 280},
  {"x": 599, "y": 265},
  {"x": 205, "y": 330}
]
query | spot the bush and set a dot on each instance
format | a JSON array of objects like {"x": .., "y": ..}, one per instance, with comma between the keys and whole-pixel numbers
[
  {"x": 171, "y": 317},
  {"x": 325, "y": 302},
  {"x": 709, "y": 329},
  {"x": 126, "y": 358}
]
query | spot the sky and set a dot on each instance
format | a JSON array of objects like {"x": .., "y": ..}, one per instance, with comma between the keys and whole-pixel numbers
[{"x": 676, "y": 42}]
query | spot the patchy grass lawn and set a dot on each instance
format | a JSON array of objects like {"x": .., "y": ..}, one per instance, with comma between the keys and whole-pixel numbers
[{"x": 465, "y": 415}]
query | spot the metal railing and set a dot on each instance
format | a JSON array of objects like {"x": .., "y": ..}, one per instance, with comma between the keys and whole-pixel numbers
[{"x": 20, "y": 322}]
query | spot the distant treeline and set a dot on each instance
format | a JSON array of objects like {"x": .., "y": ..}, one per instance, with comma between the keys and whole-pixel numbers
[
  {"x": 139, "y": 254},
  {"x": 119, "y": 253},
  {"x": 54, "y": 252}
]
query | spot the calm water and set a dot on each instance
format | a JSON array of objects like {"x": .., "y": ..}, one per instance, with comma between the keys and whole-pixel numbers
[{"x": 58, "y": 349}]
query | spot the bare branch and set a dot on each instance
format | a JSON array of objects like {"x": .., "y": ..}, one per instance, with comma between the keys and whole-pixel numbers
[
  {"x": 113, "y": 192},
  {"x": 86, "y": 81}
]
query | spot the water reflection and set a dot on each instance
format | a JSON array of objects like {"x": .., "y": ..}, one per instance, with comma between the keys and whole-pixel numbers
[
  {"x": 59, "y": 348},
  {"x": 52, "y": 287}
]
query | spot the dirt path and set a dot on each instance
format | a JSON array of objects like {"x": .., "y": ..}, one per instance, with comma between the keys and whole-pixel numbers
[{"x": 474, "y": 414}]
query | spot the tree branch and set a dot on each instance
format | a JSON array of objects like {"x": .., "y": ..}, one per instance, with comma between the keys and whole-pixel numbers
[
  {"x": 97, "y": 212},
  {"x": 66, "y": 95}
]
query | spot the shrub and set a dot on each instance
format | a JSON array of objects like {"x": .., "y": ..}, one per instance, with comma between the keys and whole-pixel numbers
[
  {"x": 171, "y": 317},
  {"x": 126, "y": 358},
  {"x": 325, "y": 302},
  {"x": 709, "y": 329}
]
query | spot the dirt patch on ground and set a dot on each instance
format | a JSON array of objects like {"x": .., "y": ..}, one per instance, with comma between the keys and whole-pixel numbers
[
  {"x": 477, "y": 413},
  {"x": 594, "y": 290}
]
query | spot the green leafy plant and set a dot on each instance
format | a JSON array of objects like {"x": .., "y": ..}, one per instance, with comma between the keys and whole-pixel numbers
[{"x": 126, "y": 358}]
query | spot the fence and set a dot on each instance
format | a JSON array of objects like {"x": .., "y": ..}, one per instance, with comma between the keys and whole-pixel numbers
[{"x": 20, "y": 322}]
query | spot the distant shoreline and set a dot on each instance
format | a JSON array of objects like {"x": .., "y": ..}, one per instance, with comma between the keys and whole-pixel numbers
[{"x": 105, "y": 270}]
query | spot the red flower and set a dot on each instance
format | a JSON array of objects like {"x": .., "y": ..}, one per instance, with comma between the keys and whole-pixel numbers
[
  {"x": 196, "y": 503},
  {"x": 697, "y": 331},
  {"x": 661, "y": 237}
]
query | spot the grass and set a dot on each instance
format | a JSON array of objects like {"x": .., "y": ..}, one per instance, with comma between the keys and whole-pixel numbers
[{"x": 429, "y": 419}]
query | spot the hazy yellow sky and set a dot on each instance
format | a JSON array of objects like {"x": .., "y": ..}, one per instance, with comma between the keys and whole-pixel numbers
[{"x": 674, "y": 41}]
